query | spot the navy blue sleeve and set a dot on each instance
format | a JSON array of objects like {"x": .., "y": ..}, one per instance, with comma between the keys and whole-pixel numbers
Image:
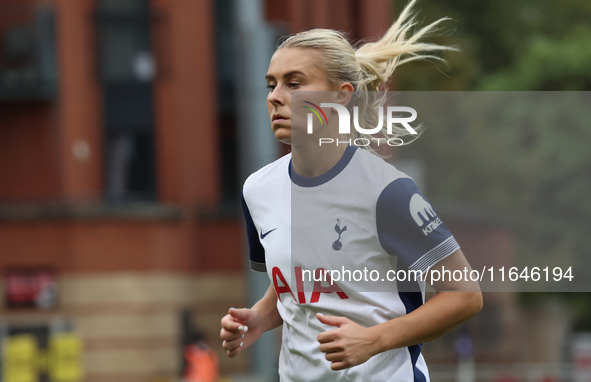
[
  {"x": 409, "y": 228},
  {"x": 256, "y": 250}
]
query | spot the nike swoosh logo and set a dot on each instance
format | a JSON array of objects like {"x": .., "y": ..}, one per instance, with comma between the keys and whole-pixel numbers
[{"x": 266, "y": 233}]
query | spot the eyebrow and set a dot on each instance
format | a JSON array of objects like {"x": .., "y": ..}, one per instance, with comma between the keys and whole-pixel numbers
[{"x": 286, "y": 75}]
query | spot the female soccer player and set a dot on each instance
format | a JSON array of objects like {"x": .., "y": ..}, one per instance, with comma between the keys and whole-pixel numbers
[{"x": 356, "y": 210}]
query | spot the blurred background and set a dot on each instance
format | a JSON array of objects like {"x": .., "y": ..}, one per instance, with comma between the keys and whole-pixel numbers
[{"x": 128, "y": 126}]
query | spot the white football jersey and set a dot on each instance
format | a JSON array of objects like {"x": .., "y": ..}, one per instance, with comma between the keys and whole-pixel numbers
[{"x": 359, "y": 220}]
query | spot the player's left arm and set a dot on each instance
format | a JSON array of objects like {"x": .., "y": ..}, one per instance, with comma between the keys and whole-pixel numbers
[
  {"x": 351, "y": 344},
  {"x": 454, "y": 303}
]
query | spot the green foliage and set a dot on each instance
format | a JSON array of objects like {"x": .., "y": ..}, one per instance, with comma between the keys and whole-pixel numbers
[
  {"x": 548, "y": 64},
  {"x": 505, "y": 45}
]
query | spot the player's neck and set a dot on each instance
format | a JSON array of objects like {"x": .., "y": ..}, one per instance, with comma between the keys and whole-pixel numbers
[{"x": 311, "y": 160}]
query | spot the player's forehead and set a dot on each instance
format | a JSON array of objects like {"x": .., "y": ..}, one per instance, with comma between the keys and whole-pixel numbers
[{"x": 294, "y": 61}]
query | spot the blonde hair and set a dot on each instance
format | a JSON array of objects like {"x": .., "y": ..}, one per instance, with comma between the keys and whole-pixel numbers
[{"x": 370, "y": 66}]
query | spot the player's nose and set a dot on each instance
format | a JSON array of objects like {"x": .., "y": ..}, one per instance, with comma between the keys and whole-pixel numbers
[{"x": 276, "y": 96}]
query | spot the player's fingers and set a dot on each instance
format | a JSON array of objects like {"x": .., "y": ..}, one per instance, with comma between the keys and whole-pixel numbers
[
  {"x": 231, "y": 324},
  {"x": 329, "y": 347},
  {"x": 228, "y": 335},
  {"x": 328, "y": 336},
  {"x": 233, "y": 344},
  {"x": 332, "y": 320},
  {"x": 339, "y": 365},
  {"x": 234, "y": 352},
  {"x": 335, "y": 356},
  {"x": 240, "y": 314}
]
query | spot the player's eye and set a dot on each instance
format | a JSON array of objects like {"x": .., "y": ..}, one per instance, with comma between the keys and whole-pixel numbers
[
  {"x": 270, "y": 87},
  {"x": 293, "y": 85}
]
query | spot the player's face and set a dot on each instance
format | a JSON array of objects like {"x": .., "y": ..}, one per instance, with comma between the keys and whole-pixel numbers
[{"x": 291, "y": 69}]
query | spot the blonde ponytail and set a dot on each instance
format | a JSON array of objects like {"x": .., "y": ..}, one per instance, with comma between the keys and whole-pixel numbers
[
  {"x": 379, "y": 59},
  {"x": 372, "y": 64}
]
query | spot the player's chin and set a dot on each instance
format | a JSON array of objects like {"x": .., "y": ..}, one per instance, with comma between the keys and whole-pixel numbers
[{"x": 283, "y": 134}]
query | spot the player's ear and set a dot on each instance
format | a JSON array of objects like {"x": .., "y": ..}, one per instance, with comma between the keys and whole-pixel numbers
[{"x": 344, "y": 93}]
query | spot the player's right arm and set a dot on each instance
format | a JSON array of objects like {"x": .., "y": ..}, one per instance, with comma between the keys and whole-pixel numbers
[{"x": 242, "y": 327}]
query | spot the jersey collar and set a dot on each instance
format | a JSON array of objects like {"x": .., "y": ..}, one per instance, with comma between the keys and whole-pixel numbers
[{"x": 303, "y": 181}]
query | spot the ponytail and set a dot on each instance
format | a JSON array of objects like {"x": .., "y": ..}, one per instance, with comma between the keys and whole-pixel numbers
[{"x": 378, "y": 60}]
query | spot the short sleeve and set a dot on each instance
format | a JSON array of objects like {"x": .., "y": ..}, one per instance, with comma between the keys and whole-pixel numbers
[
  {"x": 409, "y": 228},
  {"x": 256, "y": 250}
]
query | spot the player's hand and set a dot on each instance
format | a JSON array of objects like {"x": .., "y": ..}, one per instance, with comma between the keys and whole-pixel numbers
[
  {"x": 240, "y": 329},
  {"x": 346, "y": 346}
]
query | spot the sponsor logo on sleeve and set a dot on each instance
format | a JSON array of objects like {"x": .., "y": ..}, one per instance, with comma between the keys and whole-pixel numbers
[{"x": 423, "y": 214}]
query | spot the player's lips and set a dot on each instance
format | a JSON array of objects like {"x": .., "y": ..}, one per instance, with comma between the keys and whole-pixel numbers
[{"x": 278, "y": 118}]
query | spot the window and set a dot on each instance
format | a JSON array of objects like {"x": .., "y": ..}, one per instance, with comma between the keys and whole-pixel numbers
[{"x": 127, "y": 70}]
